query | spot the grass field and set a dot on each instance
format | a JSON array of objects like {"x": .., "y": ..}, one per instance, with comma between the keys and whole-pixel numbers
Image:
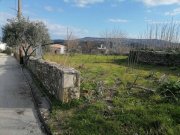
[{"x": 116, "y": 99}]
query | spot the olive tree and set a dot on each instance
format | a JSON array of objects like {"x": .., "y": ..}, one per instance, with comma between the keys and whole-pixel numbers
[{"x": 26, "y": 34}]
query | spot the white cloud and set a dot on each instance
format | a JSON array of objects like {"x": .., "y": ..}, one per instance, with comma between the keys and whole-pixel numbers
[
  {"x": 52, "y": 9},
  {"x": 118, "y": 20},
  {"x": 49, "y": 8},
  {"x": 174, "y": 12},
  {"x": 161, "y": 22},
  {"x": 84, "y": 3},
  {"x": 60, "y": 31},
  {"x": 159, "y": 2},
  {"x": 56, "y": 30}
]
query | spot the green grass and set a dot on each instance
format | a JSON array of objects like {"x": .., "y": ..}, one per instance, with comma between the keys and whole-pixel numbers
[{"x": 107, "y": 106}]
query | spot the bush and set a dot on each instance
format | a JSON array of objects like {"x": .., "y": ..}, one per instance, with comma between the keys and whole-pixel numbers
[
  {"x": 170, "y": 90},
  {"x": 8, "y": 51}
]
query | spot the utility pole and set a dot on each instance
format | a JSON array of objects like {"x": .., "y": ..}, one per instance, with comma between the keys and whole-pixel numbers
[{"x": 19, "y": 10}]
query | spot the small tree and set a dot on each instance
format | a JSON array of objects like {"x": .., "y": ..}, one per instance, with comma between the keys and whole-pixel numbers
[
  {"x": 113, "y": 40},
  {"x": 167, "y": 32},
  {"x": 72, "y": 45},
  {"x": 26, "y": 34},
  {"x": 72, "y": 42}
]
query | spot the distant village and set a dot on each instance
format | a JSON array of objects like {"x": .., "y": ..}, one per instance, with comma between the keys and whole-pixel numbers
[{"x": 90, "y": 45}]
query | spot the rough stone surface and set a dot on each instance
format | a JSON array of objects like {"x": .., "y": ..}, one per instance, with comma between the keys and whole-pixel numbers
[
  {"x": 157, "y": 58},
  {"x": 61, "y": 82}
]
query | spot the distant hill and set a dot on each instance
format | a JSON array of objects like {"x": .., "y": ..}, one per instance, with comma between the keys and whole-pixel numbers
[
  {"x": 58, "y": 41},
  {"x": 128, "y": 41},
  {"x": 92, "y": 39},
  {"x": 124, "y": 41}
]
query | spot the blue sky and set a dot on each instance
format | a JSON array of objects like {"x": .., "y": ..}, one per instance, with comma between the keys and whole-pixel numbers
[{"x": 92, "y": 17}]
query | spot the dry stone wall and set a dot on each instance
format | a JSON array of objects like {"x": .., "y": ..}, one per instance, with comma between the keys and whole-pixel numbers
[
  {"x": 61, "y": 82},
  {"x": 157, "y": 58}
]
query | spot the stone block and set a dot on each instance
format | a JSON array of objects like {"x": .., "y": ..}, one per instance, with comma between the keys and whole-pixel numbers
[
  {"x": 62, "y": 83},
  {"x": 69, "y": 80}
]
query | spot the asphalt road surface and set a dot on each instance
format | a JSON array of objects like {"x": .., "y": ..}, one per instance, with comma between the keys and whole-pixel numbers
[{"x": 17, "y": 112}]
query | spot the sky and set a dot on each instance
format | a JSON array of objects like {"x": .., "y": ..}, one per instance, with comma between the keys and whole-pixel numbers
[{"x": 90, "y": 18}]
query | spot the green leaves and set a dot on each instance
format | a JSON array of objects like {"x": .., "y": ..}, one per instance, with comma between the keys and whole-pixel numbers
[
  {"x": 21, "y": 31},
  {"x": 170, "y": 90}
]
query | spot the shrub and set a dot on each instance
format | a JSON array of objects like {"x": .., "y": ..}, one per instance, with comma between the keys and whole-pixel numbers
[
  {"x": 8, "y": 51},
  {"x": 170, "y": 90}
]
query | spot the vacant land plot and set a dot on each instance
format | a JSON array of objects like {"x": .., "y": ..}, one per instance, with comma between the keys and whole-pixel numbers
[{"x": 116, "y": 99}]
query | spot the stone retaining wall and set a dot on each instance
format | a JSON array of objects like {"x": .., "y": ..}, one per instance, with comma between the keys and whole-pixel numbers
[
  {"x": 157, "y": 58},
  {"x": 62, "y": 83}
]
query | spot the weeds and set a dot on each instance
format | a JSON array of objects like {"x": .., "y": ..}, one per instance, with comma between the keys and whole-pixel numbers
[
  {"x": 105, "y": 106},
  {"x": 170, "y": 90}
]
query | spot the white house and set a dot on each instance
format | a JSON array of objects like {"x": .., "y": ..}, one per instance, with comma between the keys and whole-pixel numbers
[
  {"x": 102, "y": 47},
  {"x": 3, "y": 46},
  {"x": 58, "y": 48}
]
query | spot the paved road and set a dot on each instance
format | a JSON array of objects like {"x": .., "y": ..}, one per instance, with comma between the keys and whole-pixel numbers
[{"x": 17, "y": 113}]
